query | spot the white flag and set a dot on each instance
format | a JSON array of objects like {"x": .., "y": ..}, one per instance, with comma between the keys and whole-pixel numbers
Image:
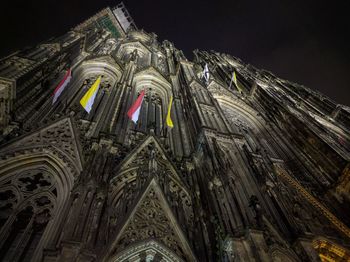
[
  {"x": 206, "y": 72},
  {"x": 232, "y": 78}
]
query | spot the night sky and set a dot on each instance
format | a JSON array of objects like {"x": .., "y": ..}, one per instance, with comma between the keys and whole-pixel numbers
[{"x": 303, "y": 41}]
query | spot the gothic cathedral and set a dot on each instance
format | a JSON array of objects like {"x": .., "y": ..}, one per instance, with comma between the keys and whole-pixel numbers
[{"x": 253, "y": 168}]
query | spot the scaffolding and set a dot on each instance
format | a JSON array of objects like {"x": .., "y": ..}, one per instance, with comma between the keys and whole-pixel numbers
[{"x": 123, "y": 17}]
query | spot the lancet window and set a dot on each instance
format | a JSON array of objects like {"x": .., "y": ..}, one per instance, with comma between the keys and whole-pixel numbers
[
  {"x": 151, "y": 115},
  {"x": 28, "y": 201}
]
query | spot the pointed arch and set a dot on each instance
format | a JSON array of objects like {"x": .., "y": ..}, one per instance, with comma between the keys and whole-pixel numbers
[
  {"x": 279, "y": 254},
  {"x": 83, "y": 76},
  {"x": 154, "y": 107},
  {"x": 127, "y": 48},
  {"x": 152, "y": 78},
  {"x": 147, "y": 162},
  {"x": 140, "y": 35},
  {"x": 43, "y": 184},
  {"x": 151, "y": 218},
  {"x": 139, "y": 156},
  {"x": 147, "y": 249},
  {"x": 245, "y": 120},
  {"x": 86, "y": 73},
  {"x": 101, "y": 65},
  {"x": 37, "y": 174}
]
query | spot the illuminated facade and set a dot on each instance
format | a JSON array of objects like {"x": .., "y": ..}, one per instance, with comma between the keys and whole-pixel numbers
[{"x": 254, "y": 169}]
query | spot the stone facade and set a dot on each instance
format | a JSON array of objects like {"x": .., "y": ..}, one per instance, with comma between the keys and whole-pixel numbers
[{"x": 256, "y": 170}]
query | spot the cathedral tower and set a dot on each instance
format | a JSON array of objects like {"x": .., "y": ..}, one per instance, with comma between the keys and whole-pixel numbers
[{"x": 255, "y": 168}]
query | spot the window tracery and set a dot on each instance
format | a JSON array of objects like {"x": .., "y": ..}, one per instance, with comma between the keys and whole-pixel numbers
[
  {"x": 151, "y": 114},
  {"x": 28, "y": 201}
]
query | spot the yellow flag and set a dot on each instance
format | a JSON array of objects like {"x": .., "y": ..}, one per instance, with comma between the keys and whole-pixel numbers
[
  {"x": 88, "y": 99},
  {"x": 236, "y": 83},
  {"x": 169, "y": 122},
  {"x": 234, "y": 77}
]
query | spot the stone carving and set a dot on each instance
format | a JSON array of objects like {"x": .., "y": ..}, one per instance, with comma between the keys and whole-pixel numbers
[
  {"x": 59, "y": 138},
  {"x": 75, "y": 186},
  {"x": 150, "y": 222},
  {"x": 162, "y": 65}
]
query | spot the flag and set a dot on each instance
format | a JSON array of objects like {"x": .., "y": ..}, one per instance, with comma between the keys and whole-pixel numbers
[
  {"x": 88, "y": 99},
  {"x": 235, "y": 78},
  {"x": 232, "y": 78},
  {"x": 134, "y": 110},
  {"x": 169, "y": 122},
  {"x": 235, "y": 81},
  {"x": 64, "y": 82},
  {"x": 206, "y": 72}
]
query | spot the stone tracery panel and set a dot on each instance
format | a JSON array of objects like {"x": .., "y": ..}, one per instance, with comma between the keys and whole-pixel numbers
[
  {"x": 150, "y": 250},
  {"x": 161, "y": 64},
  {"x": 134, "y": 176},
  {"x": 127, "y": 51},
  {"x": 33, "y": 192},
  {"x": 154, "y": 107},
  {"x": 28, "y": 202},
  {"x": 247, "y": 123},
  {"x": 83, "y": 78},
  {"x": 108, "y": 47},
  {"x": 149, "y": 223}
]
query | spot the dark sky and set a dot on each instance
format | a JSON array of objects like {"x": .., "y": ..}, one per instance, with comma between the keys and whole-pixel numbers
[{"x": 303, "y": 41}]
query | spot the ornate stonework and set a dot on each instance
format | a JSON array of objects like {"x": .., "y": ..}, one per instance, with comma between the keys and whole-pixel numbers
[
  {"x": 256, "y": 170},
  {"x": 152, "y": 219}
]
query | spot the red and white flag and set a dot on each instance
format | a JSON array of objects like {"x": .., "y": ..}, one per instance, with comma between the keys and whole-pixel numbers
[
  {"x": 134, "y": 110},
  {"x": 64, "y": 82}
]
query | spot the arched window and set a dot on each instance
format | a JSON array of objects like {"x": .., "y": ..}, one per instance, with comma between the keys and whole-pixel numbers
[
  {"x": 28, "y": 201},
  {"x": 151, "y": 113},
  {"x": 34, "y": 190}
]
